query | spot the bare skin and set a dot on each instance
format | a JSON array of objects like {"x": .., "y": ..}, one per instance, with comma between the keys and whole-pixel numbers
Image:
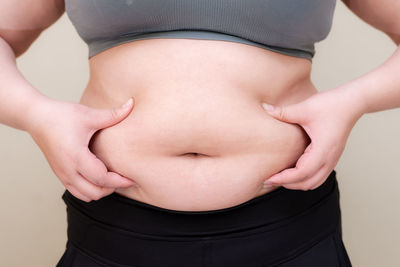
[{"x": 198, "y": 137}]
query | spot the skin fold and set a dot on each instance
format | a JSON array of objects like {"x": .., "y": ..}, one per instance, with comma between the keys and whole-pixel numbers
[{"x": 318, "y": 122}]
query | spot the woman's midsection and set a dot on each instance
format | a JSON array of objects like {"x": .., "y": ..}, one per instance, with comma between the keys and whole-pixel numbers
[{"x": 197, "y": 137}]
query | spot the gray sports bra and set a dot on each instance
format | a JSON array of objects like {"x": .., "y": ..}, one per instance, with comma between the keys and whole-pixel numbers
[{"x": 290, "y": 27}]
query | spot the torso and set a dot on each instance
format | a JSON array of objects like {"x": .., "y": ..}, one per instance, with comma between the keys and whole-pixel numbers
[{"x": 197, "y": 96}]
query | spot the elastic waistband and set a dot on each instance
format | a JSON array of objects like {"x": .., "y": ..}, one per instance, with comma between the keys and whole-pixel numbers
[{"x": 134, "y": 216}]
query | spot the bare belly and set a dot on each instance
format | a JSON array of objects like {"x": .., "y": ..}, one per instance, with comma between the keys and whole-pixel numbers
[{"x": 198, "y": 138}]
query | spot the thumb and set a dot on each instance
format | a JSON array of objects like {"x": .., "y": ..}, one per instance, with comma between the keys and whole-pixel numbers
[
  {"x": 103, "y": 118},
  {"x": 290, "y": 113}
]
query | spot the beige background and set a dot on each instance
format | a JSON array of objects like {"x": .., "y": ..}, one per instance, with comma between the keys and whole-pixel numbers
[{"x": 33, "y": 219}]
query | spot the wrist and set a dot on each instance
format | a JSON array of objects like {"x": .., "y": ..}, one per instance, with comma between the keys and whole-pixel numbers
[
  {"x": 353, "y": 100},
  {"x": 378, "y": 89},
  {"x": 37, "y": 108}
]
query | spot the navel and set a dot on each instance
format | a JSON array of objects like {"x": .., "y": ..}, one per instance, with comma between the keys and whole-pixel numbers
[{"x": 193, "y": 155}]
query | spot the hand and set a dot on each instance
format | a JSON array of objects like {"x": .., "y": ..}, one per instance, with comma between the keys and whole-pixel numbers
[
  {"x": 62, "y": 131},
  {"x": 328, "y": 118}
]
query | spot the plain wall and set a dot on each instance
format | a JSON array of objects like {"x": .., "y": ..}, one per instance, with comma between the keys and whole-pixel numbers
[{"x": 33, "y": 218}]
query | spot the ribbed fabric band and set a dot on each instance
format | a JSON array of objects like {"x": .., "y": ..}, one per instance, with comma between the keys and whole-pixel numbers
[{"x": 287, "y": 26}]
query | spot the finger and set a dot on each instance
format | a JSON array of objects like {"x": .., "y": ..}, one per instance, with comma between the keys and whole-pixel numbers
[
  {"x": 91, "y": 191},
  {"x": 291, "y": 113},
  {"x": 75, "y": 192},
  {"x": 94, "y": 170},
  {"x": 103, "y": 118},
  {"x": 311, "y": 183},
  {"x": 307, "y": 165}
]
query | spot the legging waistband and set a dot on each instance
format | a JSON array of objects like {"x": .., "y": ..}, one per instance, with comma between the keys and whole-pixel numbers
[{"x": 263, "y": 212}]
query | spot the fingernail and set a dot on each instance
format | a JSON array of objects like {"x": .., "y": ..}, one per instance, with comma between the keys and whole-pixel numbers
[
  {"x": 130, "y": 183},
  {"x": 128, "y": 103},
  {"x": 267, "y": 186},
  {"x": 267, "y": 107},
  {"x": 133, "y": 183},
  {"x": 268, "y": 182}
]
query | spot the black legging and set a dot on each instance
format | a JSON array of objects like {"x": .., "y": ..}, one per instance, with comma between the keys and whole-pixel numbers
[{"x": 287, "y": 228}]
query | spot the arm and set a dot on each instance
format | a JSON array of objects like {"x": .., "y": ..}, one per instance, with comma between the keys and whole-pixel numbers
[
  {"x": 62, "y": 130},
  {"x": 380, "y": 88},
  {"x": 20, "y": 25},
  {"x": 382, "y": 15},
  {"x": 329, "y": 116}
]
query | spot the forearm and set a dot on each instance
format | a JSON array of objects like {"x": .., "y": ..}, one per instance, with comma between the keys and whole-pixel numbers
[
  {"x": 18, "y": 98},
  {"x": 378, "y": 89}
]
